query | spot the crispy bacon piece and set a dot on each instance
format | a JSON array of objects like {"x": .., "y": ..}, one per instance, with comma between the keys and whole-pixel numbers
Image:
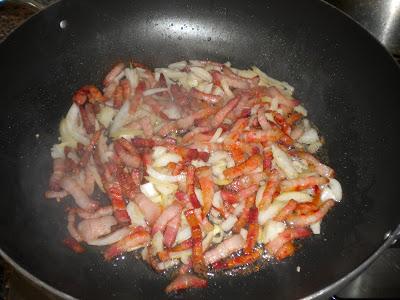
[
  {"x": 252, "y": 232},
  {"x": 72, "y": 244},
  {"x": 185, "y": 281},
  {"x": 242, "y": 221},
  {"x": 197, "y": 248}
]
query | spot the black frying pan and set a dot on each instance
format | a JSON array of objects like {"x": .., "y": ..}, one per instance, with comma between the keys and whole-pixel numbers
[{"x": 349, "y": 83}]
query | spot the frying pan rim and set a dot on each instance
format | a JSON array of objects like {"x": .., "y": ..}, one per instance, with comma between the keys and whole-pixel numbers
[
  {"x": 388, "y": 241},
  {"x": 392, "y": 238}
]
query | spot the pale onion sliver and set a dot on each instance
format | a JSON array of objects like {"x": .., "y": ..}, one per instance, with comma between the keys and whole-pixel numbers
[
  {"x": 183, "y": 234},
  {"x": 284, "y": 162},
  {"x": 148, "y": 190},
  {"x": 270, "y": 212},
  {"x": 271, "y": 230},
  {"x": 158, "y": 151},
  {"x": 135, "y": 214},
  {"x": 133, "y": 77},
  {"x": 157, "y": 242},
  {"x": 316, "y": 227},
  {"x": 165, "y": 159},
  {"x": 163, "y": 177},
  {"x": 200, "y": 72},
  {"x": 260, "y": 194},
  {"x": 178, "y": 65},
  {"x": 228, "y": 224},
  {"x": 150, "y": 92},
  {"x": 217, "y": 200},
  {"x": 296, "y": 196},
  {"x": 74, "y": 130},
  {"x": 111, "y": 238},
  {"x": 216, "y": 135},
  {"x": 120, "y": 118}
]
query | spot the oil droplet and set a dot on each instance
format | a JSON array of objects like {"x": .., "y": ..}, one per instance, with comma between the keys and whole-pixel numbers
[
  {"x": 179, "y": 37},
  {"x": 209, "y": 39}
]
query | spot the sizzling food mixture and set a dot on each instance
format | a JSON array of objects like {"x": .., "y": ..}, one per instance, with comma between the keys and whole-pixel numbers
[{"x": 202, "y": 166}]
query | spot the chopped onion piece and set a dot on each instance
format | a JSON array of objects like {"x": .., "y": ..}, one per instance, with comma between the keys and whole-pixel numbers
[
  {"x": 158, "y": 151},
  {"x": 217, "y": 200},
  {"x": 296, "y": 196},
  {"x": 75, "y": 131},
  {"x": 200, "y": 72},
  {"x": 163, "y": 177},
  {"x": 133, "y": 77},
  {"x": 243, "y": 233},
  {"x": 228, "y": 224},
  {"x": 110, "y": 238},
  {"x": 57, "y": 151},
  {"x": 150, "y": 92},
  {"x": 270, "y": 212},
  {"x": 301, "y": 110},
  {"x": 333, "y": 190},
  {"x": 148, "y": 190},
  {"x": 271, "y": 230},
  {"x": 121, "y": 118},
  {"x": 216, "y": 135},
  {"x": 199, "y": 195},
  {"x": 178, "y": 65},
  {"x": 157, "y": 242},
  {"x": 316, "y": 227},
  {"x": 309, "y": 137},
  {"x": 284, "y": 162},
  {"x": 165, "y": 159},
  {"x": 136, "y": 216},
  {"x": 183, "y": 234},
  {"x": 260, "y": 194},
  {"x": 106, "y": 115}
]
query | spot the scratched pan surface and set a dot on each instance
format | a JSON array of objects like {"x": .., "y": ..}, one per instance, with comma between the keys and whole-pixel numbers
[{"x": 347, "y": 81}]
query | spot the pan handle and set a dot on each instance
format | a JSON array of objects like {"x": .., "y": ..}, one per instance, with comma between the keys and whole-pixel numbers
[{"x": 33, "y": 3}]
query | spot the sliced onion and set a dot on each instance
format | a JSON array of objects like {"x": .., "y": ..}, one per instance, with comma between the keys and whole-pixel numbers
[
  {"x": 284, "y": 162},
  {"x": 148, "y": 190},
  {"x": 309, "y": 137},
  {"x": 164, "y": 265},
  {"x": 199, "y": 195},
  {"x": 172, "y": 112},
  {"x": 260, "y": 194},
  {"x": 135, "y": 214},
  {"x": 75, "y": 131},
  {"x": 217, "y": 200},
  {"x": 296, "y": 196},
  {"x": 111, "y": 238},
  {"x": 133, "y": 77},
  {"x": 184, "y": 233},
  {"x": 157, "y": 242},
  {"x": 228, "y": 224},
  {"x": 243, "y": 233},
  {"x": 178, "y": 65},
  {"x": 270, "y": 212},
  {"x": 207, "y": 240},
  {"x": 316, "y": 227},
  {"x": 121, "y": 118},
  {"x": 184, "y": 254},
  {"x": 301, "y": 110},
  {"x": 216, "y": 135},
  {"x": 165, "y": 159},
  {"x": 171, "y": 74},
  {"x": 158, "y": 151},
  {"x": 333, "y": 190},
  {"x": 96, "y": 176},
  {"x": 150, "y": 92},
  {"x": 57, "y": 151},
  {"x": 271, "y": 230},
  {"x": 269, "y": 81},
  {"x": 200, "y": 72},
  {"x": 106, "y": 115},
  {"x": 163, "y": 177}
]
